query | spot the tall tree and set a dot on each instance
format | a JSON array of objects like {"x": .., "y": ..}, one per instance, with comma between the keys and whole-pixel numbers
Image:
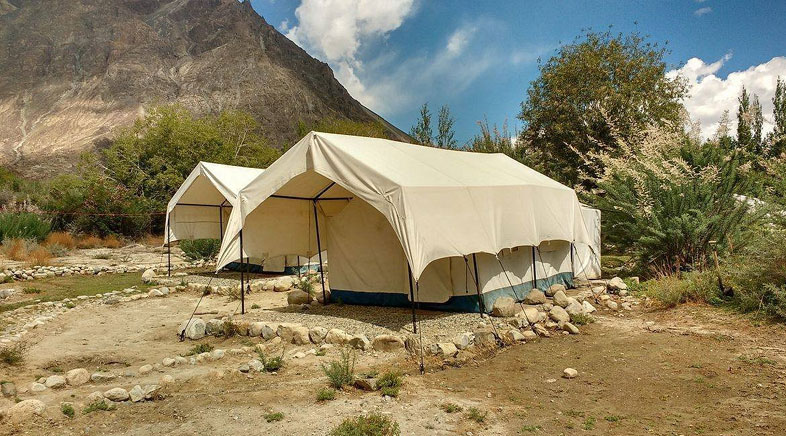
[
  {"x": 779, "y": 114},
  {"x": 757, "y": 122},
  {"x": 599, "y": 84},
  {"x": 421, "y": 132},
  {"x": 744, "y": 122},
  {"x": 445, "y": 134}
]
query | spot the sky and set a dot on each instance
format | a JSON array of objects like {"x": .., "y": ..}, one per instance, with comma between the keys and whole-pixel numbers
[{"x": 478, "y": 57}]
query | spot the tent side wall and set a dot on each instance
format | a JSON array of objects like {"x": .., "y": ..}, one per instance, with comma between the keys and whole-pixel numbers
[{"x": 587, "y": 257}]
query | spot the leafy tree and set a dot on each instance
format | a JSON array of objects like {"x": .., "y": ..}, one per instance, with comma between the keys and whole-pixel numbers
[
  {"x": 778, "y": 138},
  {"x": 493, "y": 139},
  {"x": 445, "y": 134},
  {"x": 757, "y": 119},
  {"x": 744, "y": 121},
  {"x": 421, "y": 132},
  {"x": 597, "y": 78}
]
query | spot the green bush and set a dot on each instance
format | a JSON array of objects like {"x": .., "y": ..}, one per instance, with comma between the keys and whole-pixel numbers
[
  {"x": 98, "y": 405},
  {"x": 199, "y": 349},
  {"x": 67, "y": 409},
  {"x": 273, "y": 417},
  {"x": 341, "y": 372},
  {"x": 200, "y": 249},
  {"x": 450, "y": 407},
  {"x": 699, "y": 287},
  {"x": 12, "y": 355},
  {"x": 326, "y": 394},
  {"x": 24, "y": 226},
  {"x": 476, "y": 415},
  {"x": 389, "y": 383},
  {"x": 372, "y": 424}
]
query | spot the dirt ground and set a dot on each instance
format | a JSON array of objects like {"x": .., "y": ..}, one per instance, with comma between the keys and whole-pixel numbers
[{"x": 694, "y": 370}]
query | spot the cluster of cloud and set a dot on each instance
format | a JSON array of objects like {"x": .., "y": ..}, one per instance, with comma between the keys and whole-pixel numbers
[{"x": 709, "y": 95}]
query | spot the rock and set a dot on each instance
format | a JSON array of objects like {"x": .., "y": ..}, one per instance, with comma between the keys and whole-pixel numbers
[
  {"x": 283, "y": 284},
  {"x": 317, "y": 334},
  {"x": 553, "y": 289},
  {"x": 55, "y": 382},
  {"x": 535, "y": 296},
  {"x": 337, "y": 336},
  {"x": 560, "y": 299},
  {"x": 116, "y": 394},
  {"x": 168, "y": 362},
  {"x": 8, "y": 389},
  {"x": 598, "y": 290},
  {"x": 136, "y": 394},
  {"x": 387, "y": 343},
  {"x": 485, "y": 338},
  {"x": 588, "y": 308},
  {"x": 99, "y": 377},
  {"x": 616, "y": 284},
  {"x": 244, "y": 368},
  {"x": 529, "y": 335},
  {"x": 359, "y": 342},
  {"x": 155, "y": 293},
  {"x": 269, "y": 330},
  {"x": 570, "y": 328},
  {"x": 152, "y": 392},
  {"x": 540, "y": 330},
  {"x": 519, "y": 322},
  {"x": 574, "y": 308},
  {"x": 180, "y": 360},
  {"x": 255, "y": 329},
  {"x": 559, "y": 314},
  {"x": 570, "y": 373},
  {"x": 214, "y": 327},
  {"x": 634, "y": 279},
  {"x": 364, "y": 384},
  {"x": 514, "y": 336},
  {"x": 217, "y": 354},
  {"x": 611, "y": 304},
  {"x": 504, "y": 307},
  {"x": 95, "y": 397},
  {"x": 77, "y": 377},
  {"x": 298, "y": 297},
  {"x": 166, "y": 379},
  {"x": 623, "y": 292},
  {"x": 320, "y": 298},
  {"x": 444, "y": 349},
  {"x": 37, "y": 387},
  {"x": 533, "y": 315},
  {"x": 26, "y": 410},
  {"x": 299, "y": 355},
  {"x": 148, "y": 275},
  {"x": 256, "y": 365},
  {"x": 293, "y": 333},
  {"x": 463, "y": 340},
  {"x": 194, "y": 329},
  {"x": 145, "y": 369}
]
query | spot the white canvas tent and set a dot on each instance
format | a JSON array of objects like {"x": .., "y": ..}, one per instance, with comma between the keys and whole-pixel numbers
[
  {"x": 587, "y": 257},
  {"x": 201, "y": 206},
  {"x": 396, "y": 216}
]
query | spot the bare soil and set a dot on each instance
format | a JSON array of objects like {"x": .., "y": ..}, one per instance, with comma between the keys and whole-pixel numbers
[{"x": 697, "y": 370}]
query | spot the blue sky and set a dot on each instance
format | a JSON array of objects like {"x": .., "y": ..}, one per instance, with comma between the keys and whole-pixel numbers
[{"x": 478, "y": 57}]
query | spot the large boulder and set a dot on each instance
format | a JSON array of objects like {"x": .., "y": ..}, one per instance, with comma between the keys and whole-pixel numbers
[
  {"x": 148, "y": 275},
  {"x": 616, "y": 284},
  {"x": 444, "y": 349},
  {"x": 535, "y": 296},
  {"x": 560, "y": 299},
  {"x": 214, "y": 327},
  {"x": 269, "y": 330},
  {"x": 588, "y": 308},
  {"x": 55, "y": 382},
  {"x": 337, "y": 336},
  {"x": 533, "y": 315},
  {"x": 294, "y": 333},
  {"x": 298, "y": 297},
  {"x": 387, "y": 343},
  {"x": 559, "y": 314},
  {"x": 574, "y": 307},
  {"x": 359, "y": 342},
  {"x": 195, "y": 329},
  {"x": 317, "y": 334},
  {"x": 463, "y": 340},
  {"x": 117, "y": 394},
  {"x": 485, "y": 338},
  {"x": 26, "y": 410},
  {"x": 255, "y": 329},
  {"x": 283, "y": 284},
  {"x": 553, "y": 289},
  {"x": 504, "y": 307},
  {"x": 136, "y": 394}
]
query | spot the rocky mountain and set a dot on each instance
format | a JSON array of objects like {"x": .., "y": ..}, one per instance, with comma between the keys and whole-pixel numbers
[{"x": 71, "y": 71}]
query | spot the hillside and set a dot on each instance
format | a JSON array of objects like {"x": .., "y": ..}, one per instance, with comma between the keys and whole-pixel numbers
[{"x": 71, "y": 72}]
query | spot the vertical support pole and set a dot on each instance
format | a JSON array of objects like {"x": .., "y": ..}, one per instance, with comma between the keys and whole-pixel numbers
[
  {"x": 221, "y": 222},
  {"x": 298, "y": 266},
  {"x": 572, "y": 267},
  {"x": 168, "y": 248},
  {"x": 534, "y": 270},
  {"x": 481, "y": 305},
  {"x": 412, "y": 299},
  {"x": 242, "y": 279},
  {"x": 319, "y": 251}
]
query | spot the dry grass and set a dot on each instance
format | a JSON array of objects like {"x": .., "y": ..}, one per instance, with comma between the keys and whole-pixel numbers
[
  {"x": 62, "y": 239},
  {"x": 15, "y": 249},
  {"x": 89, "y": 242},
  {"x": 151, "y": 240},
  {"x": 112, "y": 241},
  {"x": 40, "y": 256}
]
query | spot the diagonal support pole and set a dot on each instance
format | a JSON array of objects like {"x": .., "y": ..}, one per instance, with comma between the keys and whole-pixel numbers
[{"x": 319, "y": 251}]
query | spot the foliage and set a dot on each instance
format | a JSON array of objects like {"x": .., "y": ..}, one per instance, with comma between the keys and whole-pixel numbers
[
  {"x": 599, "y": 75},
  {"x": 390, "y": 379},
  {"x": 341, "y": 372},
  {"x": 697, "y": 287},
  {"x": 18, "y": 249},
  {"x": 24, "y": 226},
  {"x": 40, "y": 256},
  {"x": 373, "y": 424},
  {"x": 371, "y": 129},
  {"x": 98, "y": 405},
  {"x": 422, "y": 132},
  {"x": 272, "y": 364},
  {"x": 445, "y": 134},
  {"x": 200, "y": 249},
  {"x": 749, "y": 123},
  {"x": 305, "y": 283},
  {"x": 62, "y": 239},
  {"x": 476, "y": 415},
  {"x": 273, "y": 417},
  {"x": 199, "y": 349},
  {"x": 12, "y": 355},
  {"x": 326, "y": 394},
  {"x": 494, "y": 140},
  {"x": 581, "y": 319},
  {"x": 778, "y": 136},
  {"x": 67, "y": 409},
  {"x": 670, "y": 201},
  {"x": 450, "y": 407}
]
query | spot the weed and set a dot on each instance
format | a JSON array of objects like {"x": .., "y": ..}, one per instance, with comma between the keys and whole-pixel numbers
[
  {"x": 390, "y": 379},
  {"x": 199, "y": 349},
  {"x": 372, "y": 424},
  {"x": 70, "y": 305},
  {"x": 321, "y": 352},
  {"x": 112, "y": 241},
  {"x": 197, "y": 249},
  {"x": 326, "y": 394},
  {"x": 102, "y": 256},
  {"x": 530, "y": 428},
  {"x": 589, "y": 423},
  {"x": 450, "y": 407},
  {"x": 23, "y": 226},
  {"x": 31, "y": 291},
  {"x": 89, "y": 242},
  {"x": 273, "y": 364},
  {"x": 98, "y": 405},
  {"x": 230, "y": 329},
  {"x": 40, "y": 256},
  {"x": 273, "y": 417},
  {"x": 255, "y": 306},
  {"x": 696, "y": 365},
  {"x": 574, "y": 413},
  {"x": 476, "y": 415},
  {"x": 613, "y": 418},
  {"x": 12, "y": 355},
  {"x": 390, "y": 392},
  {"x": 758, "y": 360},
  {"x": 581, "y": 319},
  {"x": 341, "y": 372},
  {"x": 67, "y": 409},
  {"x": 63, "y": 239}
]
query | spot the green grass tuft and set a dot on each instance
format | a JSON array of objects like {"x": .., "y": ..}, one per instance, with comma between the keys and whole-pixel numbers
[
  {"x": 274, "y": 417},
  {"x": 372, "y": 424},
  {"x": 476, "y": 415},
  {"x": 341, "y": 372},
  {"x": 326, "y": 394}
]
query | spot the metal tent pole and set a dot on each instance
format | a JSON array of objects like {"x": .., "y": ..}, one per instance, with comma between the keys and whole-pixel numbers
[
  {"x": 168, "y": 248},
  {"x": 534, "y": 270},
  {"x": 412, "y": 300},
  {"x": 572, "y": 267},
  {"x": 319, "y": 251},
  {"x": 242, "y": 279},
  {"x": 221, "y": 222},
  {"x": 481, "y": 305}
]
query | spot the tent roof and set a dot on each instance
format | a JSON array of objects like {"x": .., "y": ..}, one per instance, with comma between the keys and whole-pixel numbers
[
  {"x": 440, "y": 203},
  {"x": 227, "y": 181}
]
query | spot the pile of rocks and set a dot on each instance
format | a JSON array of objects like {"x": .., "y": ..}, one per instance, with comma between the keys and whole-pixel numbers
[{"x": 40, "y": 272}]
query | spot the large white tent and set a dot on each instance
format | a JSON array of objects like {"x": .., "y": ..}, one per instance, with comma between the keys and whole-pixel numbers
[
  {"x": 587, "y": 256},
  {"x": 396, "y": 216}
]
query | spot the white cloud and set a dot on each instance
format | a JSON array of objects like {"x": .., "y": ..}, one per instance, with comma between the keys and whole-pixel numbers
[
  {"x": 709, "y": 95},
  {"x": 458, "y": 41},
  {"x": 702, "y": 11}
]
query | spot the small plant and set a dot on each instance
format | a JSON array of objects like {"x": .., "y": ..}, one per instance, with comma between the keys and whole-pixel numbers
[
  {"x": 12, "y": 355},
  {"x": 89, "y": 242},
  {"x": 450, "y": 407},
  {"x": 581, "y": 319},
  {"x": 326, "y": 394},
  {"x": 70, "y": 305},
  {"x": 389, "y": 392},
  {"x": 305, "y": 283},
  {"x": 476, "y": 415},
  {"x": 102, "y": 256},
  {"x": 67, "y": 409},
  {"x": 32, "y": 291},
  {"x": 199, "y": 349},
  {"x": 758, "y": 360},
  {"x": 23, "y": 226},
  {"x": 40, "y": 256},
  {"x": 271, "y": 364},
  {"x": 63, "y": 239},
  {"x": 530, "y": 428},
  {"x": 98, "y": 405},
  {"x": 200, "y": 249},
  {"x": 613, "y": 418},
  {"x": 111, "y": 241},
  {"x": 230, "y": 329},
  {"x": 273, "y": 417},
  {"x": 321, "y": 352},
  {"x": 589, "y": 423},
  {"x": 255, "y": 306},
  {"x": 341, "y": 372},
  {"x": 372, "y": 424},
  {"x": 389, "y": 383}
]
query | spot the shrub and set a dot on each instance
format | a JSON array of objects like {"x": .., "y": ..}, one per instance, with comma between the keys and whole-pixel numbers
[
  {"x": 98, "y": 405},
  {"x": 12, "y": 355},
  {"x": 390, "y": 382},
  {"x": 89, "y": 241},
  {"x": 273, "y": 417},
  {"x": 200, "y": 249},
  {"x": 271, "y": 364},
  {"x": 372, "y": 424},
  {"x": 326, "y": 394},
  {"x": 698, "y": 287},
  {"x": 389, "y": 392},
  {"x": 450, "y": 407},
  {"x": 581, "y": 319},
  {"x": 341, "y": 372},
  {"x": 24, "y": 225},
  {"x": 62, "y": 239},
  {"x": 305, "y": 283},
  {"x": 67, "y": 409},
  {"x": 17, "y": 248},
  {"x": 230, "y": 329},
  {"x": 111, "y": 241},
  {"x": 31, "y": 291},
  {"x": 255, "y": 306},
  {"x": 40, "y": 256},
  {"x": 199, "y": 349},
  {"x": 476, "y": 415}
]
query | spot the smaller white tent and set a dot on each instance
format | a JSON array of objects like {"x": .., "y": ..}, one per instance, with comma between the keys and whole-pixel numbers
[{"x": 586, "y": 257}]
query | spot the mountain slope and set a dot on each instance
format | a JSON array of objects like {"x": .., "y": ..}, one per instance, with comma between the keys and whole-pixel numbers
[{"x": 71, "y": 71}]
